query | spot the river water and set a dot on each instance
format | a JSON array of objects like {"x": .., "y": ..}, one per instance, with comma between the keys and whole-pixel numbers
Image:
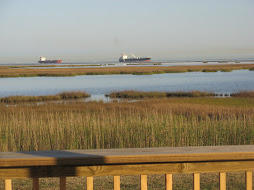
[{"x": 99, "y": 85}]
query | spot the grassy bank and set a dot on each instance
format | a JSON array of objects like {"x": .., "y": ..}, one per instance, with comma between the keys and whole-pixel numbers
[
  {"x": 139, "y": 94},
  {"x": 154, "y": 123},
  {"x": 60, "y": 96},
  {"x": 244, "y": 94},
  {"x": 40, "y": 71}
]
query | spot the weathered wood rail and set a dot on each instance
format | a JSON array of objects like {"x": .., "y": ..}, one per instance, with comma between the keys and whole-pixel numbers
[{"x": 135, "y": 161}]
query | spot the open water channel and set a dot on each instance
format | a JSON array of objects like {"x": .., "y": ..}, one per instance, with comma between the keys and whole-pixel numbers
[{"x": 99, "y": 85}]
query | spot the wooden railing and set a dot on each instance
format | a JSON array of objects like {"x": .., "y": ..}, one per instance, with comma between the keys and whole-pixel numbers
[{"x": 136, "y": 161}]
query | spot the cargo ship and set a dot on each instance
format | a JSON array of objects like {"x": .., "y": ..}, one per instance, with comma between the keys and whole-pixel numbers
[
  {"x": 124, "y": 58},
  {"x": 43, "y": 60}
]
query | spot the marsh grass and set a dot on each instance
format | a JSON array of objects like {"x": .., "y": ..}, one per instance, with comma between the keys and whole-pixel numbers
[
  {"x": 222, "y": 61},
  {"x": 139, "y": 94},
  {"x": 176, "y": 71},
  {"x": 244, "y": 94},
  {"x": 210, "y": 70},
  {"x": 60, "y": 96},
  {"x": 136, "y": 94},
  {"x": 143, "y": 73},
  {"x": 55, "y": 72},
  {"x": 190, "y": 94},
  {"x": 193, "y": 70},
  {"x": 170, "y": 122}
]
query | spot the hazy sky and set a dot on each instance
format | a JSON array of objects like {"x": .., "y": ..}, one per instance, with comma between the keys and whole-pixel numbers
[{"x": 103, "y": 29}]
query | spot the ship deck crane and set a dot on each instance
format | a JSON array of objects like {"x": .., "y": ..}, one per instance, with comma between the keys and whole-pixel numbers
[{"x": 133, "y": 55}]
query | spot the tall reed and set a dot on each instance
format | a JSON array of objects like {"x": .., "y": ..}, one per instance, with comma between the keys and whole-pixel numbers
[{"x": 153, "y": 123}]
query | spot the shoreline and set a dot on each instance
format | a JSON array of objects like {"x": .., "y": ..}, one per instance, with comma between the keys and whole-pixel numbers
[
  {"x": 10, "y": 72},
  {"x": 121, "y": 96}
]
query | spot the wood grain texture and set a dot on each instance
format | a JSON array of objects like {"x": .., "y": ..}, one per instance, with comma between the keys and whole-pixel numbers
[
  {"x": 129, "y": 169},
  {"x": 169, "y": 182},
  {"x": 116, "y": 162},
  {"x": 62, "y": 183},
  {"x": 36, "y": 183},
  {"x": 116, "y": 182},
  {"x": 143, "y": 182},
  {"x": 196, "y": 181},
  {"x": 8, "y": 184},
  {"x": 125, "y": 156},
  {"x": 89, "y": 183},
  {"x": 248, "y": 179},
  {"x": 223, "y": 181}
]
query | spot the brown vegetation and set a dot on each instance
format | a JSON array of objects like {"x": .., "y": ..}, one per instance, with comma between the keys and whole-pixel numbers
[
  {"x": 26, "y": 72},
  {"x": 149, "y": 123},
  {"x": 139, "y": 94},
  {"x": 244, "y": 94},
  {"x": 60, "y": 96}
]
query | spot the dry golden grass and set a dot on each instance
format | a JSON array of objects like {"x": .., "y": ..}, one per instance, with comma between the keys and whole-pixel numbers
[
  {"x": 155, "y": 123},
  {"x": 60, "y": 96},
  {"x": 26, "y": 72}
]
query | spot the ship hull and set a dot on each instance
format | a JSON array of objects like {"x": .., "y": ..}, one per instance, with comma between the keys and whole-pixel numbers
[
  {"x": 135, "y": 59},
  {"x": 50, "y": 61}
]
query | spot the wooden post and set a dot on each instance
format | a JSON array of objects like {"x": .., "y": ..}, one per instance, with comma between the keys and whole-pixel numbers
[
  {"x": 8, "y": 185},
  {"x": 116, "y": 182},
  {"x": 89, "y": 183},
  {"x": 248, "y": 178},
  {"x": 143, "y": 182},
  {"x": 169, "y": 181},
  {"x": 62, "y": 183},
  {"x": 222, "y": 181},
  {"x": 196, "y": 181},
  {"x": 35, "y": 183}
]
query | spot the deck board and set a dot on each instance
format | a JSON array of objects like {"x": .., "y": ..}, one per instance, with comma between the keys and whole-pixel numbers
[{"x": 127, "y": 156}]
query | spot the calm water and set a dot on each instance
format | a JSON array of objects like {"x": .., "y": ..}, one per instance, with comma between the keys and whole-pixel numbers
[{"x": 98, "y": 85}]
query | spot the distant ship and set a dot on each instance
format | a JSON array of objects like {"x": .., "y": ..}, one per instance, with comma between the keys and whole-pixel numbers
[
  {"x": 43, "y": 60},
  {"x": 124, "y": 58}
]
